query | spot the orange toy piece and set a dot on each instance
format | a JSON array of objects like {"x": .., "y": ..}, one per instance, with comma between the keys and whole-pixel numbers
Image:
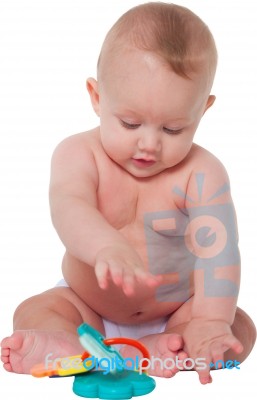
[{"x": 66, "y": 366}]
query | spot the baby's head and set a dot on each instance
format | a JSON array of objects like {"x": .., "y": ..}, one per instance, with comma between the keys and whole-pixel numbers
[
  {"x": 155, "y": 73},
  {"x": 174, "y": 33}
]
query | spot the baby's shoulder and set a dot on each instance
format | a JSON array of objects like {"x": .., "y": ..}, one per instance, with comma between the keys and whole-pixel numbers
[
  {"x": 202, "y": 160},
  {"x": 78, "y": 148},
  {"x": 207, "y": 176},
  {"x": 80, "y": 141},
  {"x": 75, "y": 156}
]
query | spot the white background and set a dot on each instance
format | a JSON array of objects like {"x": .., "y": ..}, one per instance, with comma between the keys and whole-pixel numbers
[{"x": 47, "y": 50}]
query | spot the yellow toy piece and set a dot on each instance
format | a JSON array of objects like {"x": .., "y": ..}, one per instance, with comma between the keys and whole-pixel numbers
[{"x": 66, "y": 366}]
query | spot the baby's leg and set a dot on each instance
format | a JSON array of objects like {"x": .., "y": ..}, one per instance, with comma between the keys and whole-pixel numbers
[
  {"x": 46, "y": 323},
  {"x": 169, "y": 344}
]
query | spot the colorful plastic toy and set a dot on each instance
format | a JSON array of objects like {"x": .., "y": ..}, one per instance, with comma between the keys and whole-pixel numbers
[{"x": 114, "y": 380}]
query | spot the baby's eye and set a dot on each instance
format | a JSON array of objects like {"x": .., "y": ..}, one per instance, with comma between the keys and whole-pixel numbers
[
  {"x": 172, "y": 131},
  {"x": 127, "y": 125}
]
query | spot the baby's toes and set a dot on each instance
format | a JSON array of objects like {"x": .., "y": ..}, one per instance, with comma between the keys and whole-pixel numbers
[
  {"x": 13, "y": 342},
  {"x": 182, "y": 355},
  {"x": 5, "y": 354},
  {"x": 157, "y": 370},
  {"x": 169, "y": 342},
  {"x": 169, "y": 368},
  {"x": 175, "y": 342},
  {"x": 163, "y": 367}
]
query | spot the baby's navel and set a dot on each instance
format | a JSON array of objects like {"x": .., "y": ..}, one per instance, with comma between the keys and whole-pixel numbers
[{"x": 137, "y": 314}]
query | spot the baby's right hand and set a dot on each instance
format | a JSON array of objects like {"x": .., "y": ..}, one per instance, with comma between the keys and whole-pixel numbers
[{"x": 124, "y": 267}]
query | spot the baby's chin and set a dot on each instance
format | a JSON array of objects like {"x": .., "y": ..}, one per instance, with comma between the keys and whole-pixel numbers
[{"x": 145, "y": 172}]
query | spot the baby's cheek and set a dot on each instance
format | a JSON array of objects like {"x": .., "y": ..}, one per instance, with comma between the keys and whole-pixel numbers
[
  {"x": 182, "y": 151},
  {"x": 173, "y": 155}
]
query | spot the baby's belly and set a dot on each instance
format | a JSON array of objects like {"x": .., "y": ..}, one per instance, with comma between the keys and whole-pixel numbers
[{"x": 145, "y": 305}]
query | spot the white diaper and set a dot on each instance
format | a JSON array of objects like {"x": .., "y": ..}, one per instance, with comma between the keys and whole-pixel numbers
[
  {"x": 62, "y": 283},
  {"x": 134, "y": 331},
  {"x": 137, "y": 331}
]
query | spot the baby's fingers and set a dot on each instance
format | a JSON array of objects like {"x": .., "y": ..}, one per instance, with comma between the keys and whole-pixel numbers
[
  {"x": 205, "y": 377},
  {"x": 116, "y": 274},
  {"x": 218, "y": 348},
  {"x": 130, "y": 276},
  {"x": 204, "y": 374},
  {"x": 128, "y": 282},
  {"x": 217, "y": 352},
  {"x": 147, "y": 278},
  {"x": 101, "y": 272},
  {"x": 231, "y": 342}
]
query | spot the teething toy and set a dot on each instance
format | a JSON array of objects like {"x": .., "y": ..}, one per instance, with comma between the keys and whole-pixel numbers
[{"x": 114, "y": 380}]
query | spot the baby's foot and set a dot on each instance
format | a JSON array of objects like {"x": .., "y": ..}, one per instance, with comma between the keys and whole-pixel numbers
[
  {"x": 164, "y": 349},
  {"x": 21, "y": 351}
]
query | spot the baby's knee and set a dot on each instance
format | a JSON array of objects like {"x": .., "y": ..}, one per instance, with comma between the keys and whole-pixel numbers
[
  {"x": 29, "y": 306},
  {"x": 243, "y": 320},
  {"x": 245, "y": 330},
  {"x": 251, "y": 330},
  {"x": 24, "y": 310}
]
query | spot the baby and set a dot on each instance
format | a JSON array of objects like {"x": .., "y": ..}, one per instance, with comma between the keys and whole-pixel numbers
[{"x": 146, "y": 215}]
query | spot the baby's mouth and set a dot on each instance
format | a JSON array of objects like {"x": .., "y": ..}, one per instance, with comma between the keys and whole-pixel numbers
[{"x": 142, "y": 163}]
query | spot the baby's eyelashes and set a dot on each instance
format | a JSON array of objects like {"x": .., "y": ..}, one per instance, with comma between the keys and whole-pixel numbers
[
  {"x": 169, "y": 131},
  {"x": 128, "y": 125},
  {"x": 172, "y": 131}
]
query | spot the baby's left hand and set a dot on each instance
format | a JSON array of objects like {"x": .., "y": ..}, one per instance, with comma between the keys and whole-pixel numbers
[{"x": 209, "y": 339}]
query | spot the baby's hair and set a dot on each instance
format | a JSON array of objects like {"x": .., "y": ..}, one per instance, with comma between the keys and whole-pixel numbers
[{"x": 173, "y": 32}]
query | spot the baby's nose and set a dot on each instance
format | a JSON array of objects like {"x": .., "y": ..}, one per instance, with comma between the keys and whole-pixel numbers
[{"x": 149, "y": 142}]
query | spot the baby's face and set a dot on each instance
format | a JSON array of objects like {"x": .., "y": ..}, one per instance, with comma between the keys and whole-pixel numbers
[{"x": 148, "y": 114}]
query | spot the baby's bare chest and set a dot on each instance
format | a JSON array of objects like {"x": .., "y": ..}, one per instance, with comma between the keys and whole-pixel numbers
[
  {"x": 138, "y": 207},
  {"x": 124, "y": 201}
]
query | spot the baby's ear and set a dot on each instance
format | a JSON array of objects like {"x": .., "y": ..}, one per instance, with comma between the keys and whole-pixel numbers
[
  {"x": 210, "y": 101},
  {"x": 92, "y": 88}
]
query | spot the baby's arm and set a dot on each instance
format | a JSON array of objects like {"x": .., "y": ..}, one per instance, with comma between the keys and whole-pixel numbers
[
  {"x": 86, "y": 234},
  {"x": 217, "y": 268}
]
